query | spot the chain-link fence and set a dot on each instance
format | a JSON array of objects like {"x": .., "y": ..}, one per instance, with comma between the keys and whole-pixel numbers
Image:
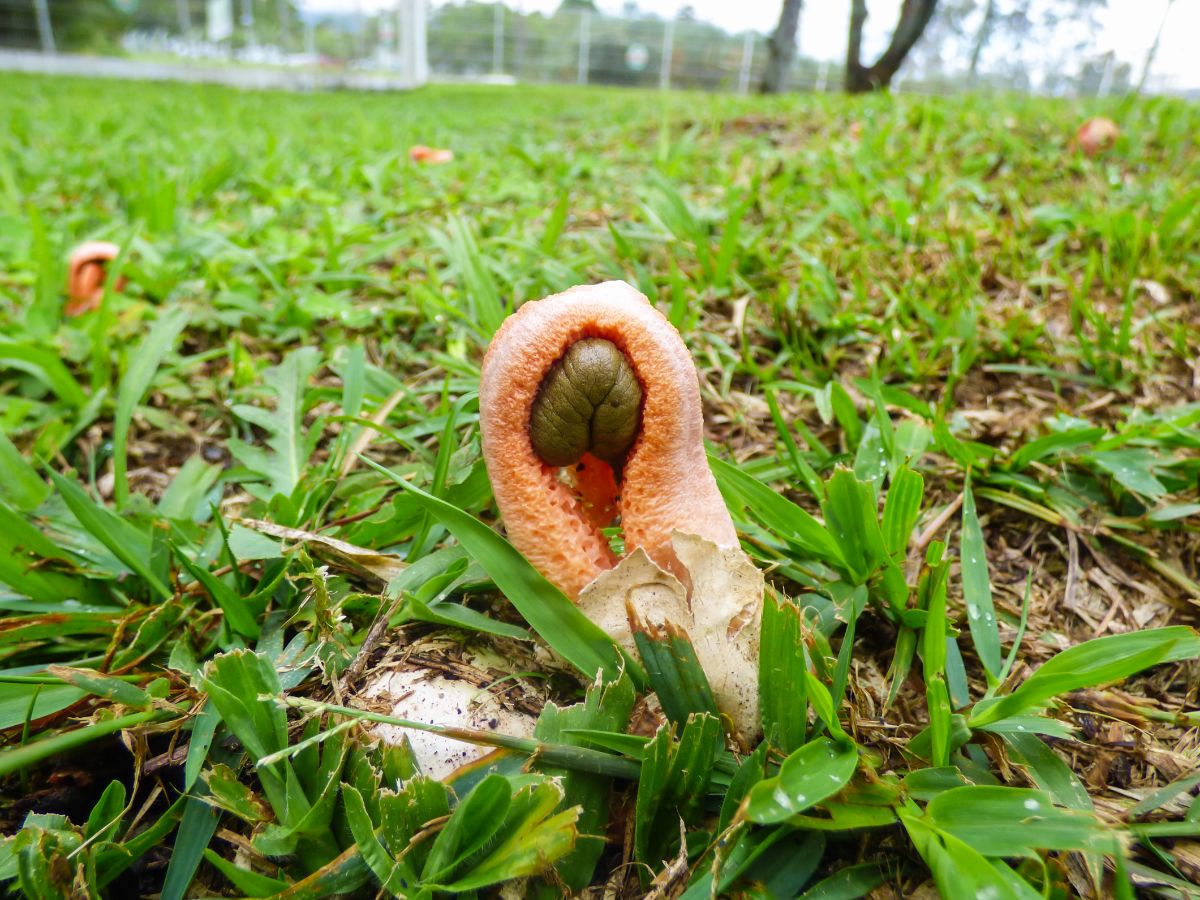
[
  {"x": 478, "y": 41},
  {"x": 401, "y": 43},
  {"x": 261, "y": 43},
  {"x": 1055, "y": 54}
]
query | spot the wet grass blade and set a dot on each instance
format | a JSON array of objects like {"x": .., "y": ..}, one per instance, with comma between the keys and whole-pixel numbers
[
  {"x": 1099, "y": 661},
  {"x": 977, "y": 590},
  {"x": 780, "y": 515},
  {"x": 674, "y": 672},
  {"x": 147, "y": 357},
  {"x": 782, "y": 688},
  {"x": 811, "y": 774},
  {"x": 606, "y": 707},
  {"x": 127, "y": 543},
  {"x": 1007, "y": 821},
  {"x": 1049, "y": 772}
]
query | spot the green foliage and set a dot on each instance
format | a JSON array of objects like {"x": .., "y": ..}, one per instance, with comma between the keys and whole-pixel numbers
[
  {"x": 814, "y": 772},
  {"x": 605, "y": 708},
  {"x": 282, "y": 465},
  {"x": 194, "y": 551},
  {"x": 674, "y": 779},
  {"x": 783, "y": 699},
  {"x": 673, "y": 672},
  {"x": 499, "y": 831}
]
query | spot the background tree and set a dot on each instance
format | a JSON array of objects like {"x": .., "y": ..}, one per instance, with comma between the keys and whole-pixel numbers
[
  {"x": 914, "y": 16},
  {"x": 94, "y": 25},
  {"x": 981, "y": 39},
  {"x": 1047, "y": 43},
  {"x": 781, "y": 49}
]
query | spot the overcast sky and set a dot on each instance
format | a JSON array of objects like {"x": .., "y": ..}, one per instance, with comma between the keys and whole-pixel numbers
[{"x": 1127, "y": 26}]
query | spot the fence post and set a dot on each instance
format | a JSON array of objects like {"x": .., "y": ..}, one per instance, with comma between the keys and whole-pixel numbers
[
  {"x": 668, "y": 49},
  {"x": 585, "y": 21},
  {"x": 185, "y": 19},
  {"x": 45, "y": 30},
  {"x": 281, "y": 11},
  {"x": 248, "y": 21},
  {"x": 414, "y": 60},
  {"x": 823, "y": 77},
  {"x": 1106, "y": 79},
  {"x": 498, "y": 40},
  {"x": 747, "y": 63}
]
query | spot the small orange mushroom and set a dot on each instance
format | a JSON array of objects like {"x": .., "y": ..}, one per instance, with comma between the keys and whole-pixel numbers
[
  {"x": 86, "y": 271},
  {"x": 1097, "y": 135},
  {"x": 655, "y": 475}
]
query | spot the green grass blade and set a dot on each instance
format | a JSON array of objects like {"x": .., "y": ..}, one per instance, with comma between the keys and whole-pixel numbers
[
  {"x": 815, "y": 772},
  {"x": 674, "y": 672},
  {"x": 977, "y": 590},
  {"x": 20, "y": 485},
  {"x": 606, "y": 707},
  {"x": 1095, "y": 662},
  {"x": 547, "y": 610},
  {"x": 147, "y": 357},
  {"x": 1049, "y": 772},
  {"x": 237, "y": 614},
  {"x": 901, "y": 509},
  {"x": 15, "y": 759},
  {"x": 250, "y": 883},
  {"x": 774, "y": 511},
  {"x": 127, "y": 543},
  {"x": 44, "y": 365},
  {"x": 782, "y": 688},
  {"x": 196, "y": 828},
  {"x": 1006, "y": 821}
]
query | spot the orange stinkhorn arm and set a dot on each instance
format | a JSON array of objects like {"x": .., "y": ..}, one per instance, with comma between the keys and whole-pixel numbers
[
  {"x": 86, "y": 271},
  {"x": 665, "y": 482}
]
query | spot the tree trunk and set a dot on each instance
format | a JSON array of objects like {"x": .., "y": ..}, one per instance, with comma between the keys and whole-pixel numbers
[
  {"x": 982, "y": 36},
  {"x": 781, "y": 49},
  {"x": 914, "y": 16},
  {"x": 855, "y": 82}
]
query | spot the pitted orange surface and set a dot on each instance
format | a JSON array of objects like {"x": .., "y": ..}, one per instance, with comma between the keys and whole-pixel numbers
[{"x": 665, "y": 483}]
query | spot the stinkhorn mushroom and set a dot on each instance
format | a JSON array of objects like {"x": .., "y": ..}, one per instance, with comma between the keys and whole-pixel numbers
[
  {"x": 86, "y": 271},
  {"x": 589, "y": 407},
  {"x": 597, "y": 383},
  {"x": 1097, "y": 135},
  {"x": 433, "y": 156},
  {"x": 590, "y": 412}
]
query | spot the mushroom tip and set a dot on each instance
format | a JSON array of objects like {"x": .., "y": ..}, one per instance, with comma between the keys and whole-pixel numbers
[
  {"x": 94, "y": 251},
  {"x": 419, "y": 153},
  {"x": 86, "y": 273},
  {"x": 643, "y": 417},
  {"x": 1097, "y": 135},
  {"x": 614, "y": 290}
]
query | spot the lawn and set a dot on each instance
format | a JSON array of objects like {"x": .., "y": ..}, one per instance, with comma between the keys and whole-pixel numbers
[{"x": 950, "y": 370}]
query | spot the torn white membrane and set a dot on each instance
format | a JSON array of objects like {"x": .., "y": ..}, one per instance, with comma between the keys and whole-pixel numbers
[
  {"x": 722, "y": 621},
  {"x": 429, "y": 696}
]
